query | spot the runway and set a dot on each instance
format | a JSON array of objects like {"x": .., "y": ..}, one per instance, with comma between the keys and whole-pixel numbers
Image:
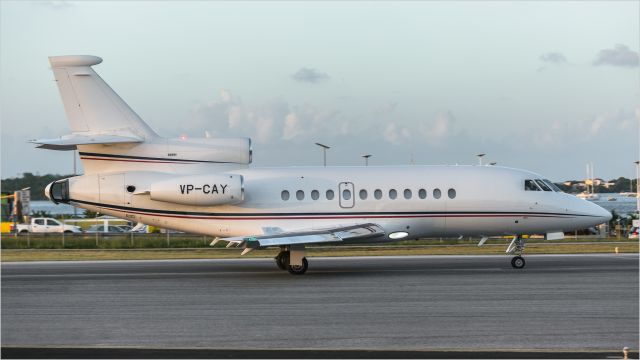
[{"x": 558, "y": 302}]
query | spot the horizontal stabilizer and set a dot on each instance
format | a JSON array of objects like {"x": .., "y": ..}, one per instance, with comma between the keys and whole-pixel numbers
[{"x": 69, "y": 142}]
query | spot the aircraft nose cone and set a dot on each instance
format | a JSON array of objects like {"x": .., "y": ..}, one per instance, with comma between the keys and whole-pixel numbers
[{"x": 601, "y": 213}]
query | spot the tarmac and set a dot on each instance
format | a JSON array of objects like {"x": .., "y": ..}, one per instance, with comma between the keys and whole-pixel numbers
[{"x": 563, "y": 304}]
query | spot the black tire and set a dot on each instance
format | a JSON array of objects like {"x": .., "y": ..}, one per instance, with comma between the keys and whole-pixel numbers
[
  {"x": 23, "y": 232},
  {"x": 282, "y": 260},
  {"x": 68, "y": 232},
  {"x": 299, "y": 270},
  {"x": 518, "y": 262}
]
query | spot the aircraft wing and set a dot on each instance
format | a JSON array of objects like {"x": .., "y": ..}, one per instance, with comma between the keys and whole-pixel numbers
[
  {"x": 312, "y": 236},
  {"x": 69, "y": 142}
]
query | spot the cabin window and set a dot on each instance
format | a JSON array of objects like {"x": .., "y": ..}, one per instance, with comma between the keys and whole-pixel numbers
[
  {"x": 363, "y": 194},
  {"x": 542, "y": 185},
  {"x": 315, "y": 194},
  {"x": 451, "y": 193},
  {"x": 51, "y": 222},
  {"x": 377, "y": 194},
  {"x": 346, "y": 194},
  {"x": 437, "y": 193},
  {"x": 529, "y": 185},
  {"x": 330, "y": 194},
  {"x": 39, "y": 221},
  {"x": 393, "y": 194},
  {"x": 552, "y": 185},
  {"x": 422, "y": 194},
  {"x": 284, "y": 195},
  {"x": 407, "y": 194},
  {"x": 300, "y": 195}
]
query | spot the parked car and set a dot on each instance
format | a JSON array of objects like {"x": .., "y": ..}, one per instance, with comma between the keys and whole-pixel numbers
[
  {"x": 633, "y": 233},
  {"x": 47, "y": 225},
  {"x": 101, "y": 229},
  {"x": 125, "y": 228}
]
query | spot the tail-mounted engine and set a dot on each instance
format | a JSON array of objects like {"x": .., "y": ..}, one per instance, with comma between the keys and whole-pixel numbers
[{"x": 199, "y": 190}]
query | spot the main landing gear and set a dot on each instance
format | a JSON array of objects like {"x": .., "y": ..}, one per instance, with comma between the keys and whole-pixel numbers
[
  {"x": 292, "y": 259},
  {"x": 517, "y": 247},
  {"x": 518, "y": 262}
]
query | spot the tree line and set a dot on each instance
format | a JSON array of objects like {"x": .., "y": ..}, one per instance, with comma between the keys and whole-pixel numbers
[{"x": 37, "y": 183}]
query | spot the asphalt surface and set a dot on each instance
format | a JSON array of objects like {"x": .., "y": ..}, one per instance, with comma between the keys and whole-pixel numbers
[{"x": 557, "y": 302}]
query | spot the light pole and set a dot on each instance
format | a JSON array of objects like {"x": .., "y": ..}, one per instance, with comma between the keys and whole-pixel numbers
[
  {"x": 637, "y": 186},
  {"x": 75, "y": 172},
  {"x": 480, "y": 158},
  {"x": 324, "y": 150},
  {"x": 366, "y": 159}
]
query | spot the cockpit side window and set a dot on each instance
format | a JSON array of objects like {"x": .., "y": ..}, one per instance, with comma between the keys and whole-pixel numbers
[
  {"x": 542, "y": 185},
  {"x": 552, "y": 185},
  {"x": 529, "y": 185}
]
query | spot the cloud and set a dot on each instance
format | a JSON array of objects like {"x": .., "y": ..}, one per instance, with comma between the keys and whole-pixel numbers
[
  {"x": 265, "y": 122},
  {"x": 307, "y": 121},
  {"x": 55, "y": 4},
  {"x": 439, "y": 129},
  {"x": 386, "y": 109},
  {"x": 604, "y": 125},
  {"x": 310, "y": 76},
  {"x": 612, "y": 120},
  {"x": 292, "y": 126},
  {"x": 227, "y": 115},
  {"x": 553, "y": 57},
  {"x": 621, "y": 55},
  {"x": 395, "y": 134}
]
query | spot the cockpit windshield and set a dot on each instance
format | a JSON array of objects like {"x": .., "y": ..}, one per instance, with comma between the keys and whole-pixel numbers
[
  {"x": 540, "y": 185},
  {"x": 530, "y": 185},
  {"x": 552, "y": 185}
]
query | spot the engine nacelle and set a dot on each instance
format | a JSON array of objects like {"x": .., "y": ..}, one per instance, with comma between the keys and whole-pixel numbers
[
  {"x": 231, "y": 150},
  {"x": 204, "y": 190}
]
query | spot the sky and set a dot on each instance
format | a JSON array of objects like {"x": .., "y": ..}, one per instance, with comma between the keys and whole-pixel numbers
[{"x": 543, "y": 86}]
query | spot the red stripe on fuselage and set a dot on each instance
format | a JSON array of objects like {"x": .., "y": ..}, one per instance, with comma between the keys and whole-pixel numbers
[
  {"x": 144, "y": 161},
  {"x": 285, "y": 217}
]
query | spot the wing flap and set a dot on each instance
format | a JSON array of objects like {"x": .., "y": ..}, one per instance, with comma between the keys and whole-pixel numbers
[
  {"x": 69, "y": 142},
  {"x": 313, "y": 236}
]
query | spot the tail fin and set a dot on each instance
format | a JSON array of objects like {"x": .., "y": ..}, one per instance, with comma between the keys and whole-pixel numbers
[{"x": 92, "y": 107}]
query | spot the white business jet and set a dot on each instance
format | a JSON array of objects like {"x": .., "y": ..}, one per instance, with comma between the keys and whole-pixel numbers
[{"x": 206, "y": 186}]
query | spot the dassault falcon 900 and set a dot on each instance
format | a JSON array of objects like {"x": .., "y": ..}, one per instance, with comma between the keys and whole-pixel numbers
[{"x": 206, "y": 186}]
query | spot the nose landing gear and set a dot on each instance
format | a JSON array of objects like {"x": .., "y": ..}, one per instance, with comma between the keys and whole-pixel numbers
[
  {"x": 517, "y": 247},
  {"x": 518, "y": 262}
]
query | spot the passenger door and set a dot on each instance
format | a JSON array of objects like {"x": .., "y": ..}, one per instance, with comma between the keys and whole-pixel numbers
[{"x": 346, "y": 195}]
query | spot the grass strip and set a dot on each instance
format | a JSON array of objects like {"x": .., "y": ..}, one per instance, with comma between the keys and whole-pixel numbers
[{"x": 9, "y": 255}]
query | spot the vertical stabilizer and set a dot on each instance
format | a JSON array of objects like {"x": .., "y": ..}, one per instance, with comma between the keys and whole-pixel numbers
[{"x": 91, "y": 105}]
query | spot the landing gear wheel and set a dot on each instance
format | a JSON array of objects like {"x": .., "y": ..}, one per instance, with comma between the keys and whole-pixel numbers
[
  {"x": 518, "y": 262},
  {"x": 282, "y": 260},
  {"x": 299, "y": 269}
]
